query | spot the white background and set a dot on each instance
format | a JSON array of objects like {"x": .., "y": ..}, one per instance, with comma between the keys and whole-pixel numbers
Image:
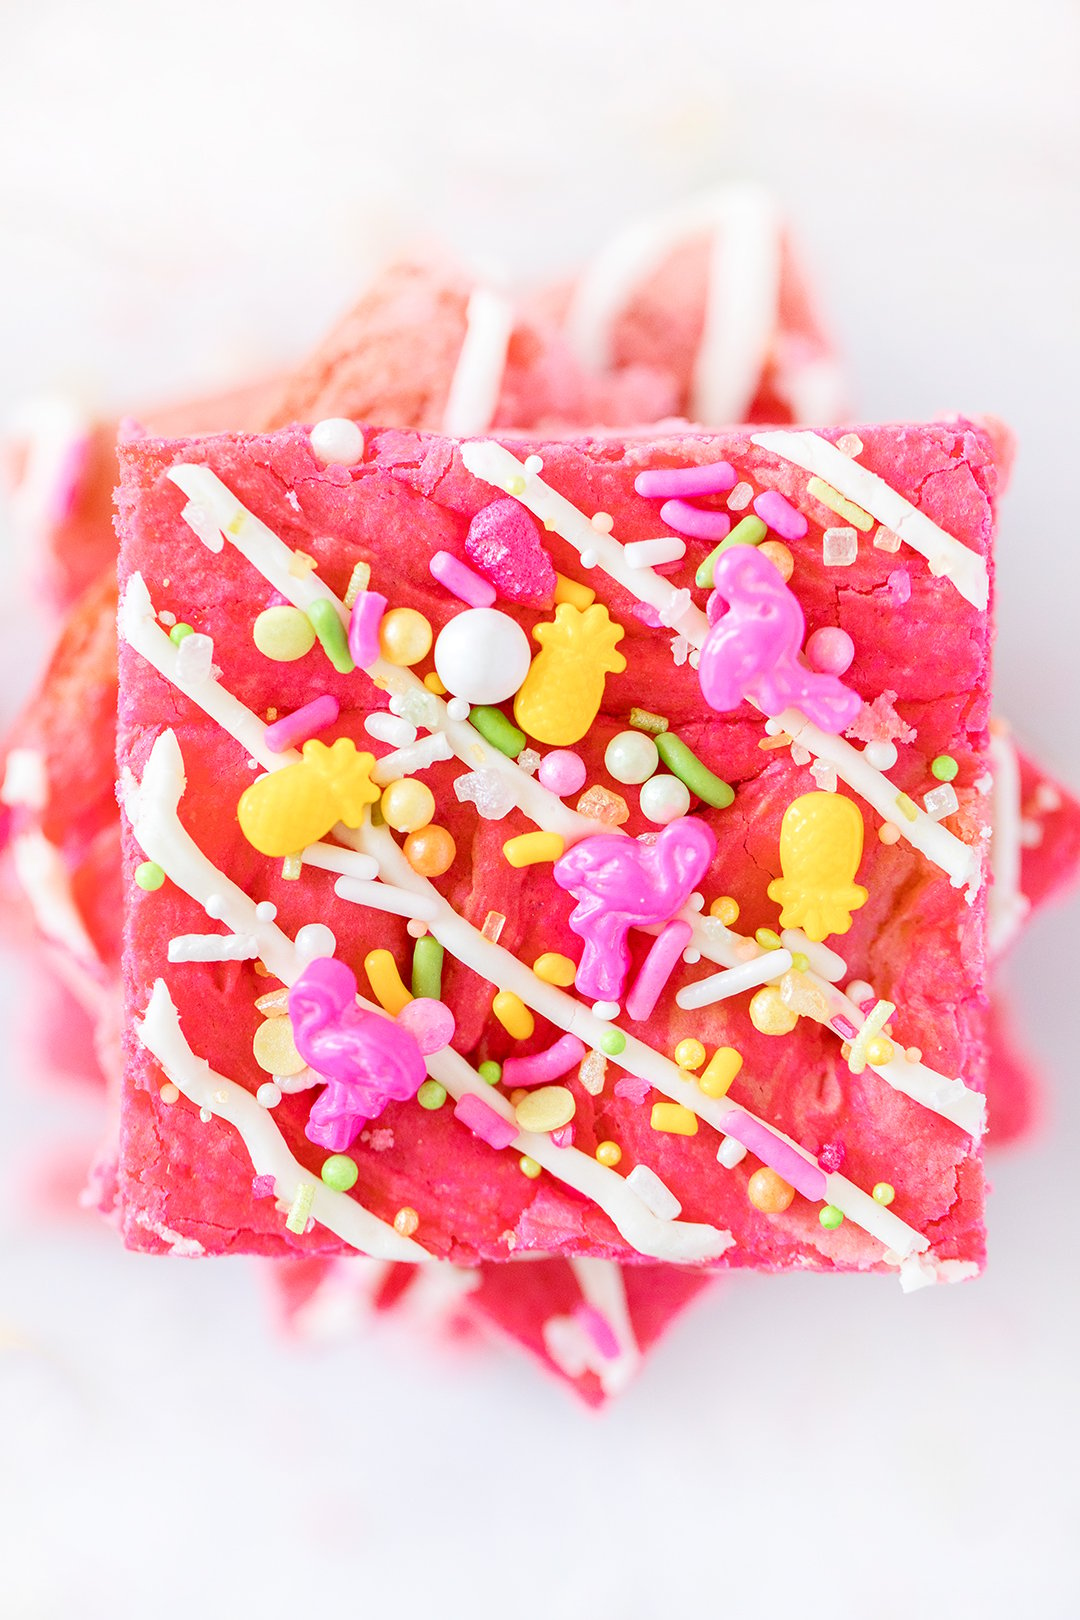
[{"x": 184, "y": 199}]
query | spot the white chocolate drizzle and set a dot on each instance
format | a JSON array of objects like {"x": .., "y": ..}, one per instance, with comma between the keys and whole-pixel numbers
[
  {"x": 152, "y": 806},
  {"x": 947, "y": 556},
  {"x": 481, "y": 365},
  {"x": 159, "y": 1031},
  {"x": 742, "y": 292},
  {"x": 1007, "y": 904}
]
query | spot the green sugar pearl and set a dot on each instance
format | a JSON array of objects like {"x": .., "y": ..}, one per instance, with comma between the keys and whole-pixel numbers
[
  {"x": 323, "y": 618},
  {"x": 431, "y": 1095},
  {"x": 490, "y": 1072},
  {"x": 149, "y": 875},
  {"x": 613, "y": 1042},
  {"x": 944, "y": 767},
  {"x": 769, "y": 940},
  {"x": 339, "y": 1173},
  {"x": 684, "y": 763},
  {"x": 831, "y": 1217},
  {"x": 427, "y": 966},
  {"x": 179, "y": 631},
  {"x": 496, "y": 729}
]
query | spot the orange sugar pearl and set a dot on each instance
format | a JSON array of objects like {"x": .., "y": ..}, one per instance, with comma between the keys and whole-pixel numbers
[
  {"x": 889, "y": 833},
  {"x": 725, "y": 910},
  {"x": 608, "y": 1153},
  {"x": 431, "y": 851},
  {"x": 769, "y": 1192},
  {"x": 407, "y": 805},
  {"x": 914, "y": 1054},
  {"x": 434, "y": 684},
  {"x": 780, "y": 557},
  {"x": 406, "y": 1221},
  {"x": 405, "y": 636}
]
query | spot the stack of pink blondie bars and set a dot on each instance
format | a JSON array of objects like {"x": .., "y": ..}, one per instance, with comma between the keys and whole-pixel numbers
[{"x": 563, "y": 839}]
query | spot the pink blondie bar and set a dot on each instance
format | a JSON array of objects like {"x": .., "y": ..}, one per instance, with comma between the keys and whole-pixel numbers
[{"x": 643, "y": 1134}]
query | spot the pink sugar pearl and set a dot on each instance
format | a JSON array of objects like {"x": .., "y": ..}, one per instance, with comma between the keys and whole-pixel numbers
[
  {"x": 830, "y": 651},
  {"x": 562, "y": 771}
]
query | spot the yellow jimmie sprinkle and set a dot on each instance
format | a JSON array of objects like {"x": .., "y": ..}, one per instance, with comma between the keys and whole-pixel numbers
[
  {"x": 723, "y": 1066},
  {"x": 385, "y": 981},
  {"x": 674, "y": 1119},
  {"x": 839, "y": 504},
  {"x": 907, "y": 807},
  {"x": 572, "y": 591},
  {"x": 513, "y": 1015},
  {"x": 530, "y": 849},
  {"x": 300, "y": 1209},
  {"x": 554, "y": 968}
]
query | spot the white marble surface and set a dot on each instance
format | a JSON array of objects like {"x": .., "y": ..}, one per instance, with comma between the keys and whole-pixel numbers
[{"x": 186, "y": 194}]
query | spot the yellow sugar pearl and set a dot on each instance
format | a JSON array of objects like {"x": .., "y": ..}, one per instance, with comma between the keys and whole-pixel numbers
[
  {"x": 880, "y": 1050},
  {"x": 513, "y": 1015},
  {"x": 431, "y": 851},
  {"x": 407, "y": 805},
  {"x": 283, "y": 633},
  {"x": 674, "y": 1119},
  {"x": 169, "y": 1093},
  {"x": 725, "y": 910},
  {"x": 608, "y": 1153},
  {"x": 555, "y": 968},
  {"x": 385, "y": 981},
  {"x": 769, "y": 1192},
  {"x": 780, "y": 557},
  {"x": 530, "y": 849},
  {"x": 768, "y": 1013},
  {"x": 889, "y": 833},
  {"x": 434, "y": 684},
  {"x": 724, "y": 1065},
  {"x": 548, "y": 1108},
  {"x": 690, "y": 1054},
  {"x": 572, "y": 591},
  {"x": 405, "y": 636},
  {"x": 529, "y": 1167},
  {"x": 406, "y": 1221},
  {"x": 274, "y": 1048}
]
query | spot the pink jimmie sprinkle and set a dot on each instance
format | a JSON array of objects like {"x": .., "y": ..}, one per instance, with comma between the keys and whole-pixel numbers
[
  {"x": 262, "y": 1186},
  {"x": 632, "y": 1089},
  {"x": 462, "y": 580},
  {"x": 695, "y": 521},
  {"x": 647, "y": 614},
  {"x": 844, "y": 1027},
  {"x": 714, "y": 478},
  {"x": 803, "y": 1175},
  {"x": 783, "y": 518},
  {"x": 545, "y": 1066},
  {"x": 657, "y": 969},
  {"x": 367, "y": 612},
  {"x": 598, "y": 1328},
  {"x": 484, "y": 1122},
  {"x": 301, "y": 724}
]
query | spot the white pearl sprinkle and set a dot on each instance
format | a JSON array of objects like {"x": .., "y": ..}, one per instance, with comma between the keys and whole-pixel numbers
[
  {"x": 266, "y": 911},
  {"x": 337, "y": 441},
  {"x": 457, "y": 709},
  {"x": 268, "y": 1095},
  {"x": 313, "y": 940},
  {"x": 589, "y": 559},
  {"x": 606, "y": 1009}
]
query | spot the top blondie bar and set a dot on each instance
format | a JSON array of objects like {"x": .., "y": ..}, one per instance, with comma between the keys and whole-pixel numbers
[{"x": 626, "y": 881}]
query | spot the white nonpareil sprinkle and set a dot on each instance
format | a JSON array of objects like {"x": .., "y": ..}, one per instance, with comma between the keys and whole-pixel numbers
[
  {"x": 839, "y": 547},
  {"x": 681, "y": 602},
  {"x": 730, "y": 1153},
  {"x": 824, "y": 775},
  {"x": 941, "y": 801},
  {"x": 337, "y": 440},
  {"x": 268, "y": 1094},
  {"x": 418, "y": 706},
  {"x": 668, "y": 548},
  {"x": 654, "y": 1193},
  {"x": 212, "y": 948},
  {"x": 528, "y": 761},
  {"x": 881, "y": 755},
  {"x": 488, "y": 790},
  {"x": 849, "y": 444},
  {"x": 390, "y": 728}
]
